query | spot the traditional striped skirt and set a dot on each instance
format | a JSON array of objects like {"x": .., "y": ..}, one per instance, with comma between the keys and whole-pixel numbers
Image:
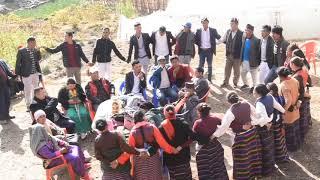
[
  {"x": 293, "y": 136},
  {"x": 149, "y": 168},
  {"x": 180, "y": 172},
  {"x": 114, "y": 175},
  {"x": 280, "y": 147},
  {"x": 210, "y": 162},
  {"x": 267, "y": 145},
  {"x": 305, "y": 117},
  {"x": 246, "y": 152}
]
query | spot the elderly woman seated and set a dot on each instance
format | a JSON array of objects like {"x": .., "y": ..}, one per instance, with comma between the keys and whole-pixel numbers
[
  {"x": 47, "y": 147},
  {"x": 53, "y": 129}
]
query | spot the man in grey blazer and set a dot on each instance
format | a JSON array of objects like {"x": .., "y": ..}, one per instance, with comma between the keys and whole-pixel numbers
[
  {"x": 28, "y": 68},
  {"x": 250, "y": 57}
]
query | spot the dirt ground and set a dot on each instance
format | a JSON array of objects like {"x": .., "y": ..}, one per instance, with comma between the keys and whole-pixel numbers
[{"x": 18, "y": 162}]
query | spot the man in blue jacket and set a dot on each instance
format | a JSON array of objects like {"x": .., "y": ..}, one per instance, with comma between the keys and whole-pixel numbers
[{"x": 160, "y": 80}]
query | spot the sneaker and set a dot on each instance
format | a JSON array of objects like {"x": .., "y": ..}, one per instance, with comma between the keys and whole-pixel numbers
[
  {"x": 3, "y": 122},
  {"x": 244, "y": 86},
  {"x": 83, "y": 136}
]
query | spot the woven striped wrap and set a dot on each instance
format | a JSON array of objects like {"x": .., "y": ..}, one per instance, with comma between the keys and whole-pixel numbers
[
  {"x": 147, "y": 168},
  {"x": 267, "y": 146},
  {"x": 280, "y": 147},
  {"x": 210, "y": 161},
  {"x": 293, "y": 136},
  {"x": 180, "y": 172},
  {"x": 247, "y": 158}
]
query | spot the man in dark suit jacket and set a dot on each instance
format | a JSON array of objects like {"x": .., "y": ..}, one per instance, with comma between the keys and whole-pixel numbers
[
  {"x": 266, "y": 49},
  {"x": 135, "y": 80},
  {"x": 28, "y": 68},
  {"x": 162, "y": 42},
  {"x": 206, "y": 41},
  {"x": 140, "y": 42},
  {"x": 5, "y": 92}
]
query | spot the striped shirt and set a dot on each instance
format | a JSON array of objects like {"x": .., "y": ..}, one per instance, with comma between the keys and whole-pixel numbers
[{"x": 33, "y": 61}]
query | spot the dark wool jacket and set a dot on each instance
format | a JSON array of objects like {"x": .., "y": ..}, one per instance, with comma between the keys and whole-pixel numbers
[
  {"x": 255, "y": 53},
  {"x": 102, "y": 51},
  {"x": 234, "y": 49},
  {"x": 130, "y": 81},
  {"x": 134, "y": 44},
  {"x": 170, "y": 40},
  {"x": 183, "y": 134},
  {"x": 7, "y": 72},
  {"x": 213, "y": 36},
  {"x": 63, "y": 96},
  {"x": 23, "y": 63},
  {"x": 269, "y": 51},
  {"x": 64, "y": 49},
  {"x": 279, "y": 52},
  {"x": 48, "y": 105}
]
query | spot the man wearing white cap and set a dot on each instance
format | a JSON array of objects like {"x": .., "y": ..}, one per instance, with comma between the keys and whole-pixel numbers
[
  {"x": 185, "y": 48},
  {"x": 160, "y": 80},
  {"x": 98, "y": 89}
]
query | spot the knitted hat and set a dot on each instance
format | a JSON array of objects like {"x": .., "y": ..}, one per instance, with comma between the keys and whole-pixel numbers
[{"x": 38, "y": 114}]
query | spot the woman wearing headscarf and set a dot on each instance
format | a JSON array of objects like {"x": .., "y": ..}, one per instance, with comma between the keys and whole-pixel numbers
[
  {"x": 146, "y": 136},
  {"x": 110, "y": 147},
  {"x": 72, "y": 99},
  {"x": 265, "y": 106},
  {"x": 178, "y": 134},
  {"x": 48, "y": 147},
  {"x": 210, "y": 158},
  {"x": 280, "y": 148},
  {"x": 301, "y": 75},
  {"x": 246, "y": 149},
  {"x": 289, "y": 89}
]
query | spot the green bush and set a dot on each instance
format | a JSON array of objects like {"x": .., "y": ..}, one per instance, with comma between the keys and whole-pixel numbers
[
  {"x": 125, "y": 7},
  {"x": 47, "y": 9}
]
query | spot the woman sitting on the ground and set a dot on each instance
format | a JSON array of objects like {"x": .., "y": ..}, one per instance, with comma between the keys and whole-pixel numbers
[
  {"x": 72, "y": 99},
  {"x": 47, "y": 147},
  {"x": 210, "y": 158}
]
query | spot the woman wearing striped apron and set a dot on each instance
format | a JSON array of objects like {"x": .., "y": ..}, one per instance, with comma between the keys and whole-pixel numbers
[
  {"x": 300, "y": 73},
  {"x": 289, "y": 89},
  {"x": 265, "y": 106},
  {"x": 146, "y": 136},
  {"x": 178, "y": 134},
  {"x": 246, "y": 149},
  {"x": 280, "y": 149},
  {"x": 210, "y": 157}
]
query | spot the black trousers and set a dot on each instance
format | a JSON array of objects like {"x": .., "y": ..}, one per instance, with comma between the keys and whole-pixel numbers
[
  {"x": 66, "y": 123},
  {"x": 4, "y": 101}
]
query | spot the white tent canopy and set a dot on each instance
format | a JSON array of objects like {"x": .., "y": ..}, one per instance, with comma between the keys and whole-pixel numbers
[{"x": 300, "y": 19}]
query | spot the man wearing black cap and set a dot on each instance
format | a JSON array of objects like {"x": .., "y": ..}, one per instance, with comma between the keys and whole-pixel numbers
[
  {"x": 185, "y": 48},
  {"x": 233, "y": 41},
  {"x": 279, "y": 53},
  {"x": 28, "y": 68},
  {"x": 206, "y": 41},
  {"x": 250, "y": 57},
  {"x": 140, "y": 42},
  {"x": 162, "y": 42},
  {"x": 71, "y": 55}
]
